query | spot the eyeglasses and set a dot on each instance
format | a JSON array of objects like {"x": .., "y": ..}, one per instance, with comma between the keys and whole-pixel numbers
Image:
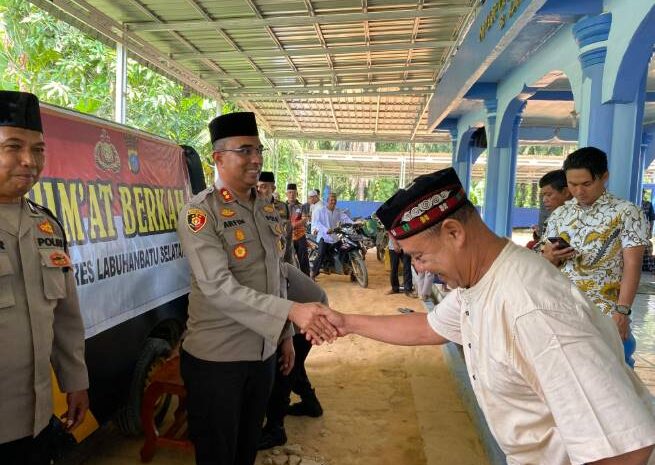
[{"x": 246, "y": 151}]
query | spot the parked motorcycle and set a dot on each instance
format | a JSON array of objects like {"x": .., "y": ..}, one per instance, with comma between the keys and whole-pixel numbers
[
  {"x": 345, "y": 256},
  {"x": 374, "y": 236}
]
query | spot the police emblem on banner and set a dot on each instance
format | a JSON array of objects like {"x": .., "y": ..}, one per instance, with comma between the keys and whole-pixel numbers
[
  {"x": 240, "y": 251},
  {"x": 196, "y": 219},
  {"x": 59, "y": 259},
  {"x": 132, "y": 143},
  {"x": 46, "y": 227},
  {"x": 106, "y": 155}
]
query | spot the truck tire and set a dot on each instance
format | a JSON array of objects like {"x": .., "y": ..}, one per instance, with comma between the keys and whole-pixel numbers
[{"x": 128, "y": 419}]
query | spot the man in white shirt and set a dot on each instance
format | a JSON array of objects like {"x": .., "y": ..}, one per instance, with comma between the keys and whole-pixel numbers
[
  {"x": 324, "y": 220},
  {"x": 545, "y": 365}
]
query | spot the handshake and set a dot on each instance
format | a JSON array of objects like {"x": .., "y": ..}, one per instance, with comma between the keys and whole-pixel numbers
[{"x": 318, "y": 322}]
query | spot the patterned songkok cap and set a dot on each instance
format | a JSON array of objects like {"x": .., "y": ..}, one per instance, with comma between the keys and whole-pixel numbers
[{"x": 428, "y": 200}]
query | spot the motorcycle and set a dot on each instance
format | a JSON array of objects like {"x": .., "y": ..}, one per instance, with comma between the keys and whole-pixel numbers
[{"x": 345, "y": 256}]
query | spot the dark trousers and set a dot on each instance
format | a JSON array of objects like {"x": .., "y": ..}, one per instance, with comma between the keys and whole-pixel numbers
[
  {"x": 29, "y": 450},
  {"x": 226, "y": 403},
  {"x": 300, "y": 245},
  {"x": 395, "y": 258},
  {"x": 296, "y": 381},
  {"x": 323, "y": 249}
]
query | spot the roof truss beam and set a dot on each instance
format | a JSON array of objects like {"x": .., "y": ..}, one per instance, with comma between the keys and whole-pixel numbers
[
  {"x": 315, "y": 51},
  {"x": 301, "y": 20}
]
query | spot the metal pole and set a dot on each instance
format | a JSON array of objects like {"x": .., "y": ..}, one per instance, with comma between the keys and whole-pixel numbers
[
  {"x": 305, "y": 175},
  {"x": 120, "y": 94}
]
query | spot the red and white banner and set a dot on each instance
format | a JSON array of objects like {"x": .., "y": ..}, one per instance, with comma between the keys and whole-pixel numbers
[{"x": 117, "y": 192}]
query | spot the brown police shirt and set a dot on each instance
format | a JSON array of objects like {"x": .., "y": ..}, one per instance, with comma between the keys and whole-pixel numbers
[
  {"x": 40, "y": 321},
  {"x": 237, "y": 305}
]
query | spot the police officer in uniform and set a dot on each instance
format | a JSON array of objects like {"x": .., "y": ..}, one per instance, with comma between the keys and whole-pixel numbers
[
  {"x": 40, "y": 320},
  {"x": 238, "y": 311},
  {"x": 266, "y": 188}
]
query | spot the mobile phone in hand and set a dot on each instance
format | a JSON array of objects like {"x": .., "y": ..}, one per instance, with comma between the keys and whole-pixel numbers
[{"x": 559, "y": 242}]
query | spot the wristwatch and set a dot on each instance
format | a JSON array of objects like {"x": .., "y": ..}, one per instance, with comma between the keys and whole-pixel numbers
[{"x": 622, "y": 309}]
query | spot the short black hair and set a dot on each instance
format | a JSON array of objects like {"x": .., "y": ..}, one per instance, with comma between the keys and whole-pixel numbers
[
  {"x": 555, "y": 179},
  {"x": 588, "y": 158}
]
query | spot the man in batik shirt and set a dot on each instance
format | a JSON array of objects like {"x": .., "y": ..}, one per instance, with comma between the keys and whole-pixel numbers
[{"x": 607, "y": 237}]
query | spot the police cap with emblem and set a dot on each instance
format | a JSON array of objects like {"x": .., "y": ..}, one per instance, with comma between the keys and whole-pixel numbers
[
  {"x": 430, "y": 198},
  {"x": 233, "y": 125},
  {"x": 20, "y": 110},
  {"x": 266, "y": 176},
  {"x": 292, "y": 187}
]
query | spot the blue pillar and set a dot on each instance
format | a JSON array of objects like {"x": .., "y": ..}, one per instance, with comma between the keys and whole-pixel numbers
[
  {"x": 625, "y": 157},
  {"x": 461, "y": 157},
  {"x": 493, "y": 167},
  {"x": 507, "y": 180},
  {"x": 596, "y": 118}
]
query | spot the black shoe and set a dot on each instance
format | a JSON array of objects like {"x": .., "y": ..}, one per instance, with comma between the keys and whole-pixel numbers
[
  {"x": 272, "y": 437},
  {"x": 309, "y": 406}
]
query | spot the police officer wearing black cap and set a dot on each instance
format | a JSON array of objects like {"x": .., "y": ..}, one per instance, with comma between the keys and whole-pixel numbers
[
  {"x": 266, "y": 188},
  {"x": 239, "y": 313},
  {"x": 40, "y": 321}
]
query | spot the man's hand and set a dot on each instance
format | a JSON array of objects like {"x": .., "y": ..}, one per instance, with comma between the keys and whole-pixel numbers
[
  {"x": 622, "y": 324},
  {"x": 78, "y": 404},
  {"x": 287, "y": 356},
  {"x": 309, "y": 317},
  {"x": 336, "y": 319},
  {"x": 557, "y": 256}
]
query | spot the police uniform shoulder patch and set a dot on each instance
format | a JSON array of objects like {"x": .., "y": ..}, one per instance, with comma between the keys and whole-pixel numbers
[
  {"x": 240, "y": 251},
  {"x": 227, "y": 212},
  {"x": 196, "y": 219},
  {"x": 46, "y": 227},
  {"x": 226, "y": 195}
]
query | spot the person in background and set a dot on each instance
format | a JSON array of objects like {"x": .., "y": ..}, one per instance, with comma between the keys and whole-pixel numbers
[
  {"x": 424, "y": 282},
  {"x": 324, "y": 220},
  {"x": 314, "y": 201},
  {"x": 604, "y": 240},
  {"x": 545, "y": 366},
  {"x": 266, "y": 189},
  {"x": 554, "y": 193},
  {"x": 298, "y": 219},
  {"x": 239, "y": 314},
  {"x": 648, "y": 263},
  {"x": 396, "y": 255},
  {"x": 40, "y": 321},
  {"x": 274, "y": 433}
]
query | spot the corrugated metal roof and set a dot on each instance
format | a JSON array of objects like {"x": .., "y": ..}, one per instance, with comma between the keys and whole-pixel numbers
[{"x": 328, "y": 69}]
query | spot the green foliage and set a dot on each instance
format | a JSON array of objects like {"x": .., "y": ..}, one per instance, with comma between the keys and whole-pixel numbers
[{"x": 64, "y": 67}]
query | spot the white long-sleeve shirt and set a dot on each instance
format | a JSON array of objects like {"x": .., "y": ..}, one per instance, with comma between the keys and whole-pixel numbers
[{"x": 324, "y": 219}]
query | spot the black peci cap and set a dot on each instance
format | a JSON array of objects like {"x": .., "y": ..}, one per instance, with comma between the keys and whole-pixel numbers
[
  {"x": 428, "y": 200},
  {"x": 20, "y": 110},
  {"x": 233, "y": 125},
  {"x": 266, "y": 176},
  {"x": 292, "y": 187}
]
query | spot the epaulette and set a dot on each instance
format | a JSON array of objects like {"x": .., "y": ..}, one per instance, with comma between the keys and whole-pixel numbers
[
  {"x": 35, "y": 207},
  {"x": 202, "y": 195}
]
